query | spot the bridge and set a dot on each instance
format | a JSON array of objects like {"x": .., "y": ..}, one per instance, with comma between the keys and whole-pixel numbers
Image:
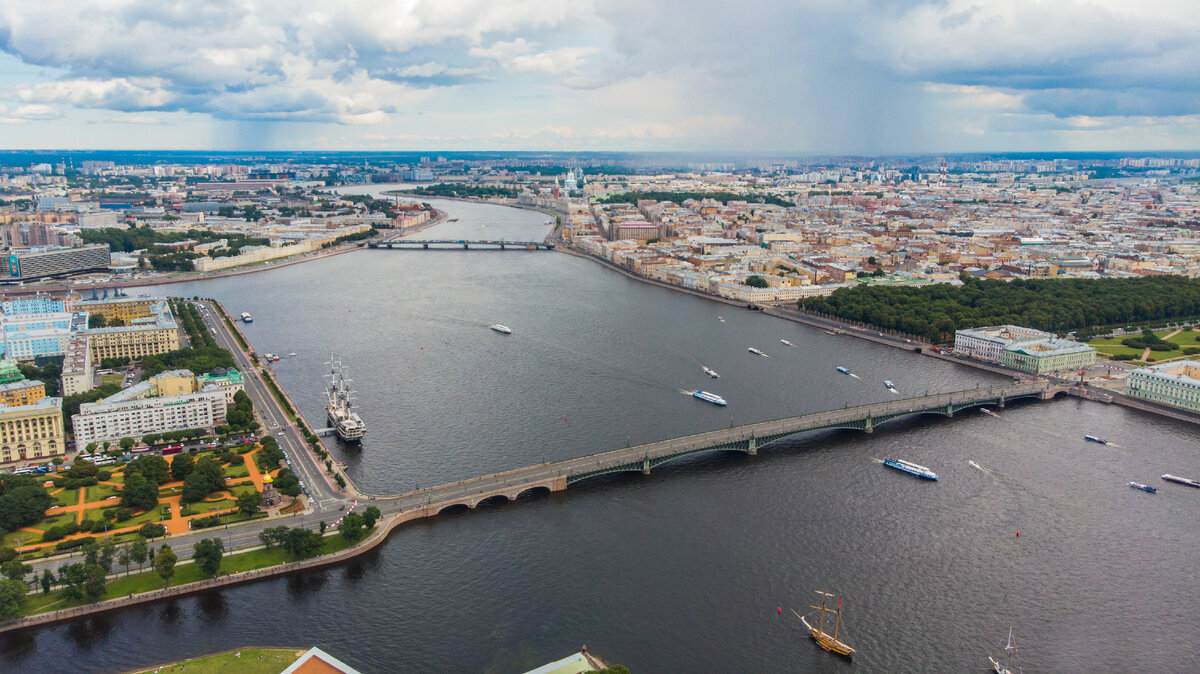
[
  {"x": 748, "y": 439},
  {"x": 440, "y": 243}
]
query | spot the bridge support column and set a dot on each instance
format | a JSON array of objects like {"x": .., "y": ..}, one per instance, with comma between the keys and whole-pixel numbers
[
  {"x": 424, "y": 245},
  {"x": 501, "y": 246},
  {"x": 867, "y": 427},
  {"x": 646, "y": 466},
  {"x": 1001, "y": 401},
  {"x": 752, "y": 446},
  {"x": 950, "y": 410},
  {"x": 466, "y": 246}
]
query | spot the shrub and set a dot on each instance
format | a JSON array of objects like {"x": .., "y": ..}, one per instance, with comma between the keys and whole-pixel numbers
[
  {"x": 104, "y": 475},
  {"x": 204, "y": 522},
  {"x": 54, "y": 533},
  {"x": 71, "y": 528},
  {"x": 87, "y": 525},
  {"x": 1133, "y": 343},
  {"x": 1123, "y": 356},
  {"x": 1163, "y": 346},
  {"x": 123, "y": 514},
  {"x": 150, "y": 530},
  {"x": 89, "y": 482},
  {"x": 1191, "y": 350}
]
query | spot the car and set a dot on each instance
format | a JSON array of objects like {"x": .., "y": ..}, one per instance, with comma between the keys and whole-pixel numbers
[{"x": 280, "y": 433}]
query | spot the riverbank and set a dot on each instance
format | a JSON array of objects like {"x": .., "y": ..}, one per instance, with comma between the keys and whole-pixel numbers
[{"x": 247, "y": 660}]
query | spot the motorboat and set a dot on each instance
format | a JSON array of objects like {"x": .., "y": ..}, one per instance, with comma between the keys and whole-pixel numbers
[{"x": 503, "y": 329}]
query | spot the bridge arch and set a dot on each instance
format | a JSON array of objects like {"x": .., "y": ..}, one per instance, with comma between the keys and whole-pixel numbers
[
  {"x": 531, "y": 492},
  {"x": 490, "y": 500},
  {"x": 453, "y": 508}
]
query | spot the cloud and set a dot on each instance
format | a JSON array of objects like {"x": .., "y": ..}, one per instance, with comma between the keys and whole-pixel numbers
[
  {"x": 135, "y": 119},
  {"x": 518, "y": 56}
]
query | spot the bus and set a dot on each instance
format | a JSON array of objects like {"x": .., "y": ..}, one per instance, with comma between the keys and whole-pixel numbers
[
  {"x": 140, "y": 450},
  {"x": 104, "y": 461},
  {"x": 173, "y": 449}
]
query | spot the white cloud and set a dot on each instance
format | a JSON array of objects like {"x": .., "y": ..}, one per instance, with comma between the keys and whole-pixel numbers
[{"x": 135, "y": 119}]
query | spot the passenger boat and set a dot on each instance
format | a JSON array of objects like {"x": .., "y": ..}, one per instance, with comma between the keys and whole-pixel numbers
[
  {"x": 987, "y": 411},
  {"x": 1144, "y": 487},
  {"x": 504, "y": 329},
  {"x": 887, "y": 383},
  {"x": 830, "y": 642},
  {"x": 757, "y": 352},
  {"x": 844, "y": 370},
  {"x": 1180, "y": 480},
  {"x": 830, "y": 332},
  {"x": 910, "y": 468},
  {"x": 1010, "y": 655},
  {"x": 246, "y": 317},
  {"x": 709, "y": 397},
  {"x": 1092, "y": 438},
  {"x": 710, "y": 372},
  {"x": 784, "y": 341}
]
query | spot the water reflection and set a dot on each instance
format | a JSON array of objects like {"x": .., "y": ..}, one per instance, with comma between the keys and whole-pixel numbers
[
  {"x": 17, "y": 645},
  {"x": 213, "y": 606},
  {"x": 87, "y": 632},
  {"x": 304, "y": 585}
]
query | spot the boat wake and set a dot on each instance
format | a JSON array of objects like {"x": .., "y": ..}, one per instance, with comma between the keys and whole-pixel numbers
[{"x": 975, "y": 465}]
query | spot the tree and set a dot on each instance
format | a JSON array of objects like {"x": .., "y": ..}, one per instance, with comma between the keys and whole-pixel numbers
[
  {"x": 247, "y": 502},
  {"x": 182, "y": 465},
  {"x": 757, "y": 282},
  {"x": 322, "y": 527},
  {"x": 82, "y": 581},
  {"x": 155, "y": 468},
  {"x": 108, "y": 553},
  {"x": 12, "y": 599},
  {"x": 207, "y": 553},
  {"x": 15, "y": 570},
  {"x": 23, "y": 501},
  {"x": 127, "y": 443},
  {"x": 371, "y": 516},
  {"x": 123, "y": 559},
  {"x": 287, "y": 483},
  {"x": 341, "y": 481},
  {"x": 352, "y": 528},
  {"x": 164, "y": 564},
  {"x": 47, "y": 581},
  {"x": 150, "y": 530},
  {"x": 97, "y": 321},
  {"x": 273, "y": 536},
  {"x": 91, "y": 448},
  {"x": 137, "y": 552},
  {"x": 303, "y": 543}
]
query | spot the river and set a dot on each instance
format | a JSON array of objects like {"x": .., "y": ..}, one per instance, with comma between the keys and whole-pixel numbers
[{"x": 684, "y": 569}]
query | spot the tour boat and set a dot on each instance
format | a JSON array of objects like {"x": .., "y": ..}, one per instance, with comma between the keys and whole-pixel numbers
[
  {"x": 710, "y": 372},
  {"x": 1010, "y": 655},
  {"x": 1092, "y": 438},
  {"x": 504, "y": 329},
  {"x": 987, "y": 411},
  {"x": 784, "y": 341},
  {"x": 1144, "y": 487},
  {"x": 757, "y": 352},
  {"x": 910, "y": 468},
  {"x": 1181, "y": 480},
  {"x": 830, "y": 642},
  {"x": 890, "y": 386},
  {"x": 709, "y": 397},
  {"x": 844, "y": 370}
]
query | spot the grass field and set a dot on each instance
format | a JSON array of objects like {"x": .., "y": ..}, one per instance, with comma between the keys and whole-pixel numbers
[
  {"x": 252, "y": 661},
  {"x": 1112, "y": 346},
  {"x": 100, "y": 492}
]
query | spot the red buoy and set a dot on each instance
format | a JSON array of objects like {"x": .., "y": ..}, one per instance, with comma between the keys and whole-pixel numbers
[
  {"x": 779, "y": 609},
  {"x": 1018, "y": 533}
]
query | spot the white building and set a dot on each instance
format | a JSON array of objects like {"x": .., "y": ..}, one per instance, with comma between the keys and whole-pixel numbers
[
  {"x": 1176, "y": 384},
  {"x": 988, "y": 343},
  {"x": 97, "y": 422},
  {"x": 77, "y": 371}
]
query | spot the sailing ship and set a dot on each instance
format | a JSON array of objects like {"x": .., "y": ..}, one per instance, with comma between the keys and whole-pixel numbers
[
  {"x": 1010, "y": 656},
  {"x": 830, "y": 642},
  {"x": 344, "y": 420}
]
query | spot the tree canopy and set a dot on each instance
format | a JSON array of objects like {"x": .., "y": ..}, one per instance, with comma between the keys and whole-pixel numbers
[{"x": 23, "y": 501}]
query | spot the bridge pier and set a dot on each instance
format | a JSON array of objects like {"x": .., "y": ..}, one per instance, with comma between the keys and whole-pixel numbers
[
  {"x": 867, "y": 427},
  {"x": 424, "y": 245},
  {"x": 752, "y": 446},
  {"x": 950, "y": 410},
  {"x": 501, "y": 246},
  {"x": 466, "y": 246},
  {"x": 1001, "y": 401},
  {"x": 646, "y": 466}
]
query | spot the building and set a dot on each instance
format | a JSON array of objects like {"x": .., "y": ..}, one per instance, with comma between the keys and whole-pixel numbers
[
  {"x": 987, "y": 343},
  {"x": 29, "y": 335},
  {"x": 9, "y": 371},
  {"x": 1045, "y": 355},
  {"x": 1176, "y": 384},
  {"x": 35, "y": 263},
  {"x": 104, "y": 420},
  {"x": 155, "y": 334},
  {"x": 126, "y": 309},
  {"x": 42, "y": 304},
  {"x": 21, "y": 393},
  {"x": 32, "y": 431},
  {"x": 416, "y": 176},
  {"x": 230, "y": 381},
  {"x": 78, "y": 374},
  {"x": 317, "y": 661}
]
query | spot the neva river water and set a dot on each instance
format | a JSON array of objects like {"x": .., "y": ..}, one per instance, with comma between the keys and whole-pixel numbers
[{"x": 684, "y": 569}]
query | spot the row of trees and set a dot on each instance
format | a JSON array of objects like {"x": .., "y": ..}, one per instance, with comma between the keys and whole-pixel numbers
[
  {"x": 459, "y": 190},
  {"x": 1056, "y": 305},
  {"x": 680, "y": 197}
]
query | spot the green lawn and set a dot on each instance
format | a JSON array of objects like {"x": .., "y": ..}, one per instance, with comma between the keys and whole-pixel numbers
[
  {"x": 152, "y": 515},
  {"x": 52, "y": 521},
  {"x": 66, "y": 497},
  {"x": 100, "y": 492},
  {"x": 148, "y": 580},
  {"x": 237, "y": 471},
  {"x": 1112, "y": 346},
  {"x": 111, "y": 379},
  {"x": 252, "y": 661}
]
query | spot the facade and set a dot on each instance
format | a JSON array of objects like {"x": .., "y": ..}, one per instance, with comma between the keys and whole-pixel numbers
[
  {"x": 1041, "y": 356},
  {"x": 21, "y": 393},
  {"x": 987, "y": 343},
  {"x": 33, "y": 263},
  {"x": 27, "y": 336},
  {"x": 78, "y": 374},
  {"x": 97, "y": 422},
  {"x": 1176, "y": 384},
  {"x": 230, "y": 381},
  {"x": 149, "y": 336},
  {"x": 35, "y": 305},
  {"x": 174, "y": 382},
  {"x": 32, "y": 431},
  {"x": 125, "y": 308}
]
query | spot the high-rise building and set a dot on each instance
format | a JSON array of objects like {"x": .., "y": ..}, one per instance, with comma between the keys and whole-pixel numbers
[{"x": 36, "y": 263}]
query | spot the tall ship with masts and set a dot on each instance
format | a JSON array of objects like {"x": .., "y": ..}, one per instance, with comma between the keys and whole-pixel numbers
[
  {"x": 342, "y": 417},
  {"x": 830, "y": 641}
]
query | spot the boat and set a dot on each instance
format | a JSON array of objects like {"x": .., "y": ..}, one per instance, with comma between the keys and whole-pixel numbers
[
  {"x": 890, "y": 386},
  {"x": 721, "y": 318},
  {"x": 830, "y": 332},
  {"x": 709, "y": 397},
  {"x": 1010, "y": 655},
  {"x": 1092, "y": 438},
  {"x": 844, "y": 370},
  {"x": 344, "y": 420},
  {"x": 784, "y": 341},
  {"x": 246, "y": 317},
  {"x": 290, "y": 355},
  {"x": 1180, "y": 480},
  {"x": 987, "y": 411},
  {"x": 830, "y": 642},
  {"x": 910, "y": 468},
  {"x": 270, "y": 356},
  {"x": 757, "y": 352},
  {"x": 974, "y": 465},
  {"x": 710, "y": 372},
  {"x": 504, "y": 329},
  {"x": 1144, "y": 487}
]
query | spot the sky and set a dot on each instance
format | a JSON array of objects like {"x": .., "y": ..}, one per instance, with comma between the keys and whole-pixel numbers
[{"x": 782, "y": 76}]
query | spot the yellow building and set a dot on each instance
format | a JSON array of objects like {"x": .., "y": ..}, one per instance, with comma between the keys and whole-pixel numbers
[
  {"x": 32, "y": 431},
  {"x": 146, "y": 336},
  {"x": 174, "y": 382},
  {"x": 125, "y": 308},
  {"x": 20, "y": 393}
]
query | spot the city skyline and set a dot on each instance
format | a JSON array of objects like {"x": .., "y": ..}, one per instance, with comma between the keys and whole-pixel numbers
[{"x": 866, "y": 77}]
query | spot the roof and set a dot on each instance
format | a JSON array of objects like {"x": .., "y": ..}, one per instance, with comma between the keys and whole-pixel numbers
[
  {"x": 317, "y": 661},
  {"x": 572, "y": 664}
]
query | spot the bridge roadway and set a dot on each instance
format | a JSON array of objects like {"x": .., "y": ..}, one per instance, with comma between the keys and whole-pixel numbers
[
  {"x": 750, "y": 438},
  {"x": 426, "y": 243}
]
